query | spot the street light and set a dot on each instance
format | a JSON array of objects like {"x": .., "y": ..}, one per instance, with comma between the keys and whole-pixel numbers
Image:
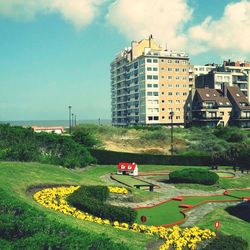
[
  {"x": 75, "y": 120},
  {"x": 172, "y": 133},
  {"x": 70, "y": 119}
]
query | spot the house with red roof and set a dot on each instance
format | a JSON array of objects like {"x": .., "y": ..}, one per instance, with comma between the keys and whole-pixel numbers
[{"x": 126, "y": 168}]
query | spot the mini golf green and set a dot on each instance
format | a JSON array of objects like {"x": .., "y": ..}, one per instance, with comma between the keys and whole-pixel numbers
[
  {"x": 129, "y": 180},
  {"x": 169, "y": 212},
  {"x": 225, "y": 174}
]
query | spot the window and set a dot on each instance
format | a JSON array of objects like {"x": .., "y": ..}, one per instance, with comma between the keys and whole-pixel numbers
[
  {"x": 162, "y": 69},
  {"x": 177, "y": 85},
  {"x": 156, "y": 118},
  {"x": 170, "y": 77},
  {"x": 169, "y": 69},
  {"x": 155, "y": 69},
  {"x": 156, "y": 110},
  {"x": 207, "y": 95},
  {"x": 162, "y": 77},
  {"x": 155, "y": 77},
  {"x": 162, "y": 101},
  {"x": 149, "y": 77},
  {"x": 169, "y": 61},
  {"x": 162, "y": 60},
  {"x": 177, "y": 61},
  {"x": 163, "y": 117},
  {"x": 162, "y": 93},
  {"x": 184, "y": 78},
  {"x": 149, "y": 69},
  {"x": 170, "y": 85},
  {"x": 155, "y": 61},
  {"x": 177, "y": 93},
  {"x": 150, "y": 118},
  {"x": 177, "y": 69},
  {"x": 178, "y": 109},
  {"x": 155, "y": 93},
  {"x": 177, "y": 78},
  {"x": 149, "y": 85},
  {"x": 169, "y": 93},
  {"x": 238, "y": 94},
  {"x": 155, "y": 85},
  {"x": 149, "y": 60},
  {"x": 162, "y": 84},
  {"x": 221, "y": 113},
  {"x": 177, "y": 101},
  {"x": 149, "y": 93},
  {"x": 170, "y": 101},
  {"x": 184, "y": 93},
  {"x": 178, "y": 117},
  {"x": 170, "y": 109},
  {"x": 184, "y": 70},
  {"x": 163, "y": 109}
]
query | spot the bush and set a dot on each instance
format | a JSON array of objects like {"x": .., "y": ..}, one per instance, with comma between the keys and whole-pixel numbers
[
  {"x": 85, "y": 136},
  {"x": 229, "y": 242},
  {"x": 91, "y": 199},
  {"x": 230, "y": 134},
  {"x": 22, "y": 144},
  {"x": 190, "y": 175},
  {"x": 24, "y": 227}
]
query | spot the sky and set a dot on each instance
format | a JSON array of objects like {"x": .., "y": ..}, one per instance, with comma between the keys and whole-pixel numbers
[{"x": 56, "y": 53}]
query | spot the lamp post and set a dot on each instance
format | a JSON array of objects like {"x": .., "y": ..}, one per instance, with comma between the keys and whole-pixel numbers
[
  {"x": 70, "y": 119},
  {"x": 75, "y": 120},
  {"x": 172, "y": 133}
]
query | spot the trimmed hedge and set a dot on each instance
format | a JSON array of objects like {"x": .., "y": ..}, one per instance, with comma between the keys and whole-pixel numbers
[
  {"x": 111, "y": 157},
  {"x": 191, "y": 175},
  {"x": 91, "y": 199},
  {"x": 228, "y": 242}
]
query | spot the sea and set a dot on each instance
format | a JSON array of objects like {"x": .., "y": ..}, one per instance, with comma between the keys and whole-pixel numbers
[{"x": 48, "y": 123}]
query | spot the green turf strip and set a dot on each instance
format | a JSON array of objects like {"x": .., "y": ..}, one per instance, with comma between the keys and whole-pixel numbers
[{"x": 129, "y": 180}]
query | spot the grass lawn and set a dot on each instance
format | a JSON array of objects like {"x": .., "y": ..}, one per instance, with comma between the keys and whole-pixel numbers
[
  {"x": 16, "y": 178},
  {"x": 230, "y": 225},
  {"x": 225, "y": 175}
]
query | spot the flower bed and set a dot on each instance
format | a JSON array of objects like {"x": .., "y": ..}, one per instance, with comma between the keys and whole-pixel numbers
[{"x": 55, "y": 198}]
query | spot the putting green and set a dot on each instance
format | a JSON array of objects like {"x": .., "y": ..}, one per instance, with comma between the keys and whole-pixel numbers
[
  {"x": 225, "y": 174},
  {"x": 129, "y": 180},
  {"x": 169, "y": 212}
]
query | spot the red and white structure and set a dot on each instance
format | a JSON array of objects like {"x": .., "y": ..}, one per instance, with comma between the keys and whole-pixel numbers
[
  {"x": 56, "y": 130},
  {"x": 126, "y": 168}
]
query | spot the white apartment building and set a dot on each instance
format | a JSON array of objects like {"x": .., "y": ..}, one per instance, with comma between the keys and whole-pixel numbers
[{"x": 147, "y": 83}]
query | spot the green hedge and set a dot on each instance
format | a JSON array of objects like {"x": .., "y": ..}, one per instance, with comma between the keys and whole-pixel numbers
[
  {"x": 24, "y": 227},
  {"x": 111, "y": 157},
  {"x": 91, "y": 199},
  {"x": 229, "y": 242},
  {"x": 191, "y": 175}
]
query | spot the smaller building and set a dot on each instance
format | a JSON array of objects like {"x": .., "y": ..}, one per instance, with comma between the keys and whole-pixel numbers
[
  {"x": 56, "y": 130},
  {"x": 126, "y": 168},
  {"x": 210, "y": 108},
  {"x": 241, "y": 108}
]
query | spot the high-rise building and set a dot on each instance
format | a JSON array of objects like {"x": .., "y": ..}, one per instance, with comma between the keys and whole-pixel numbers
[{"x": 148, "y": 83}]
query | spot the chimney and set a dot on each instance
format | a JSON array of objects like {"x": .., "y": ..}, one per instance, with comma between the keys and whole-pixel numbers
[{"x": 224, "y": 89}]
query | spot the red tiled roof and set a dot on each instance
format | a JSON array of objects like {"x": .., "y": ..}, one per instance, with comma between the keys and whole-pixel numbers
[
  {"x": 47, "y": 128},
  {"x": 126, "y": 166}
]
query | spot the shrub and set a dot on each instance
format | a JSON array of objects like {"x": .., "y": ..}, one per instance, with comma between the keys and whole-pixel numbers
[
  {"x": 24, "y": 227},
  {"x": 22, "y": 144},
  {"x": 191, "y": 175},
  {"x": 93, "y": 202},
  {"x": 229, "y": 242}
]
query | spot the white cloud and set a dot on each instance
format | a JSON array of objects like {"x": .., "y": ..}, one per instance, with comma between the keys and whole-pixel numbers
[
  {"x": 230, "y": 35},
  {"x": 78, "y": 12},
  {"x": 137, "y": 19}
]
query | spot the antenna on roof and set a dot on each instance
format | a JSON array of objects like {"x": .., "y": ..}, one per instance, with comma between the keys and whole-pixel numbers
[{"x": 150, "y": 37}]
